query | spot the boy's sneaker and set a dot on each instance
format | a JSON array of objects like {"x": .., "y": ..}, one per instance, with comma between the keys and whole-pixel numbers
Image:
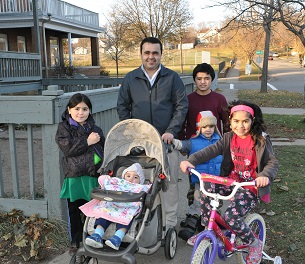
[
  {"x": 114, "y": 242},
  {"x": 191, "y": 241},
  {"x": 191, "y": 223},
  {"x": 255, "y": 252},
  {"x": 95, "y": 240}
]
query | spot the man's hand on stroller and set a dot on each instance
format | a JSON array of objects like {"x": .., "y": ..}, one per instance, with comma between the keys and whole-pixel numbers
[{"x": 167, "y": 138}]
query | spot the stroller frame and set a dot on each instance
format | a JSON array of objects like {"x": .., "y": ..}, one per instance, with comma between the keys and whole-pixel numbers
[{"x": 149, "y": 150}]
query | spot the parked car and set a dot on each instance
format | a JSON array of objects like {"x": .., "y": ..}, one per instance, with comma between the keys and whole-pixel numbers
[
  {"x": 275, "y": 54},
  {"x": 270, "y": 57}
]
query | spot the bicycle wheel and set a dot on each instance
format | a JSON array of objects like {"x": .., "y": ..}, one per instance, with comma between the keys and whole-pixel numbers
[
  {"x": 257, "y": 224},
  {"x": 203, "y": 252}
]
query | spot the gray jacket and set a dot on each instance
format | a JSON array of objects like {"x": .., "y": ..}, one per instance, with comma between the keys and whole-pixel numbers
[
  {"x": 164, "y": 105},
  {"x": 267, "y": 164}
]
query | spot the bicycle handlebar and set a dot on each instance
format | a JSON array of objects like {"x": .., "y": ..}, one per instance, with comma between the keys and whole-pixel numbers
[{"x": 219, "y": 180}]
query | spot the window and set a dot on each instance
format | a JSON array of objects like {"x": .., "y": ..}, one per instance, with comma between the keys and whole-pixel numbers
[
  {"x": 54, "y": 50},
  {"x": 3, "y": 42},
  {"x": 21, "y": 44}
]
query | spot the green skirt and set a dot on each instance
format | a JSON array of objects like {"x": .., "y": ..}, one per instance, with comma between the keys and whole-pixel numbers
[{"x": 78, "y": 188}]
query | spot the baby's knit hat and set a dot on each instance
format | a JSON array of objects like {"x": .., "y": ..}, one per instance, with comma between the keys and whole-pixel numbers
[
  {"x": 138, "y": 169},
  {"x": 205, "y": 118}
]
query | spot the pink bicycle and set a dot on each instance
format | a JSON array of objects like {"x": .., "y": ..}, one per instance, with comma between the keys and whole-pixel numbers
[{"x": 224, "y": 242}]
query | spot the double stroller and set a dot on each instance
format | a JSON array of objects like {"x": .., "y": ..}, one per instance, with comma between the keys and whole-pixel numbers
[{"x": 127, "y": 142}]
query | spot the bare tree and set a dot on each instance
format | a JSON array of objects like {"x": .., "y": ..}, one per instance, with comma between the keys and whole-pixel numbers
[
  {"x": 264, "y": 13},
  {"x": 235, "y": 40},
  {"x": 292, "y": 15},
  {"x": 117, "y": 37},
  {"x": 290, "y": 12},
  {"x": 249, "y": 14},
  {"x": 155, "y": 18}
]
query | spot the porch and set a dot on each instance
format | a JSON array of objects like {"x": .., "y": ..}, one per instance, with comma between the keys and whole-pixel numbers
[{"x": 47, "y": 27}]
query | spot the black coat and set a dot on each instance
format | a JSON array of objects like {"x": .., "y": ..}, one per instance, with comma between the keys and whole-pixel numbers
[{"x": 78, "y": 157}]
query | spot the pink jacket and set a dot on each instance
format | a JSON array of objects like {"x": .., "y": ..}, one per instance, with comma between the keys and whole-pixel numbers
[{"x": 118, "y": 212}]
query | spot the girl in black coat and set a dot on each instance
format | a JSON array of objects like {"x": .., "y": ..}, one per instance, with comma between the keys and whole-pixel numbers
[{"x": 82, "y": 143}]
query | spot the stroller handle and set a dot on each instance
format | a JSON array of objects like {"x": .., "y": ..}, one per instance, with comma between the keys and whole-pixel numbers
[
  {"x": 115, "y": 196},
  {"x": 219, "y": 180}
]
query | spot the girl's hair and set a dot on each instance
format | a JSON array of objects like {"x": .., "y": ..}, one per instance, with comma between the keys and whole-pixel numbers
[
  {"x": 79, "y": 98},
  {"x": 258, "y": 125}
]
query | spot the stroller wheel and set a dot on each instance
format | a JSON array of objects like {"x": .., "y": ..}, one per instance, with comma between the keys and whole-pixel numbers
[
  {"x": 170, "y": 243},
  {"x": 77, "y": 259},
  {"x": 89, "y": 260}
]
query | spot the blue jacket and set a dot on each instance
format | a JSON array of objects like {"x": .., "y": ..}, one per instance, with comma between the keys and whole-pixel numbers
[{"x": 195, "y": 144}]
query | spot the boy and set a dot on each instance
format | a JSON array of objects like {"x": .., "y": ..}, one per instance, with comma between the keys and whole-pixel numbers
[{"x": 207, "y": 133}]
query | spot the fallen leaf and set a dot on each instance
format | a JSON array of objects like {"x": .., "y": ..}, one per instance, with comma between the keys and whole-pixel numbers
[
  {"x": 7, "y": 236},
  {"x": 4, "y": 253},
  {"x": 283, "y": 187},
  {"x": 20, "y": 241},
  {"x": 293, "y": 247},
  {"x": 270, "y": 213},
  {"x": 277, "y": 180}
]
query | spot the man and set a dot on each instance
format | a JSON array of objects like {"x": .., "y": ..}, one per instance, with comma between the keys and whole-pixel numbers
[{"x": 156, "y": 95}]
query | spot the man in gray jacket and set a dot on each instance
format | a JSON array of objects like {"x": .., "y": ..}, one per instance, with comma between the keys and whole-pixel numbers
[{"x": 157, "y": 95}]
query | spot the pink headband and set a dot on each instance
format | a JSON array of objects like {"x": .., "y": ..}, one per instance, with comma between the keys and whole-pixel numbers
[{"x": 242, "y": 108}]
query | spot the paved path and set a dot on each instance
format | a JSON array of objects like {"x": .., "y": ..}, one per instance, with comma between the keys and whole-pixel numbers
[{"x": 183, "y": 251}]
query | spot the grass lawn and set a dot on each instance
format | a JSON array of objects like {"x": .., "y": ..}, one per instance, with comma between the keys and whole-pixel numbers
[{"x": 285, "y": 215}]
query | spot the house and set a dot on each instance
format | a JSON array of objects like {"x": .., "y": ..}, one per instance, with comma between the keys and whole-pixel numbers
[
  {"x": 208, "y": 36},
  {"x": 37, "y": 36},
  {"x": 81, "y": 51},
  {"x": 188, "y": 43}
]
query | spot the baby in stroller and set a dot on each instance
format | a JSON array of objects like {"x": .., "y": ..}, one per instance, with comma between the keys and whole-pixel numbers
[
  {"x": 128, "y": 142},
  {"x": 107, "y": 212}
]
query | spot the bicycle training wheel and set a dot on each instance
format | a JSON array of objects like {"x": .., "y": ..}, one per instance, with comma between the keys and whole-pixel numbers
[
  {"x": 257, "y": 224},
  {"x": 203, "y": 252}
]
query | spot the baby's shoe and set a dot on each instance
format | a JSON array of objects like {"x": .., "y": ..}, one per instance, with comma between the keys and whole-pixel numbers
[
  {"x": 114, "y": 242},
  {"x": 95, "y": 240},
  {"x": 255, "y": 252}
]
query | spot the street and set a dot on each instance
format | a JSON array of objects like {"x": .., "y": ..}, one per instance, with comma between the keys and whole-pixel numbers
[{"x": 283, "y": 75}]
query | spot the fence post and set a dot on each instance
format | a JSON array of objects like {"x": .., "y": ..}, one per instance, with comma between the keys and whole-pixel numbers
[{"x": 53, "y": 176}]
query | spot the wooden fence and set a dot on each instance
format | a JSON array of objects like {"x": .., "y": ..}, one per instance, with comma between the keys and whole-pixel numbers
[{"x": 30, "y": 174}]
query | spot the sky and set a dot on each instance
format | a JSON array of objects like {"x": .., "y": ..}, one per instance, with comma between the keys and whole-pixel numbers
[{"x": 200, "y": 15}]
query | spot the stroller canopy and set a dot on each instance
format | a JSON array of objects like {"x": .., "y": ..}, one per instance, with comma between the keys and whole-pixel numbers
[{"x": 130, "y": 133}]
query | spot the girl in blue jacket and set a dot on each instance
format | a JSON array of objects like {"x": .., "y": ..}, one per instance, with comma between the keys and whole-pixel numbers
[{"x": 206, "y": 135}]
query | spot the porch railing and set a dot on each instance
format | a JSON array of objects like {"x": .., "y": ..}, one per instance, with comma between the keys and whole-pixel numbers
[
  {"x": 17, "y": 66},
  {"x": 55, "y": 7}
]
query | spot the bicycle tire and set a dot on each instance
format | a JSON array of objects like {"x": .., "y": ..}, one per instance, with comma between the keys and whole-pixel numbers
[
  {"x": 257, "y": 224},
  {"x": 202, "y": 254}
]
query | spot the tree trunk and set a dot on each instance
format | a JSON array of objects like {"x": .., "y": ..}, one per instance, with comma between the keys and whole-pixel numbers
[
  {"x": 181, "y": 57},
  {"x": 267, "y": 29}
]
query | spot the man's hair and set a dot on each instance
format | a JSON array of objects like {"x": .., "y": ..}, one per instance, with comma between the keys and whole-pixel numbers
[
  {"x": 152, "y": 40},
  {"x": 204, "y": 67}
]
